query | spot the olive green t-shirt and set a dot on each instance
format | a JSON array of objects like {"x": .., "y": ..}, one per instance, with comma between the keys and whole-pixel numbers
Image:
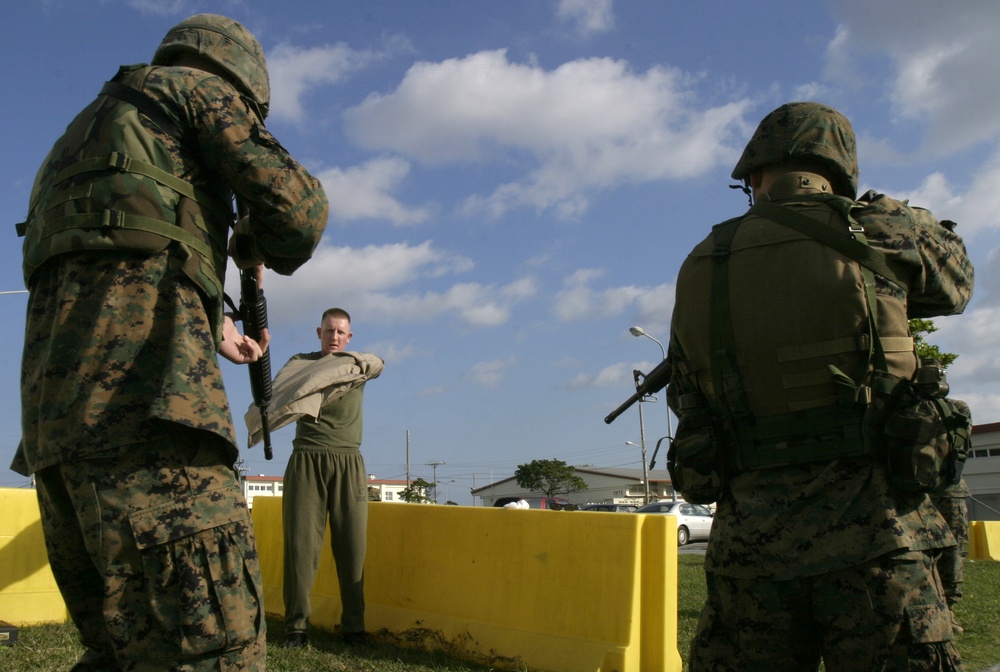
[{"x": 339, "y": 424}]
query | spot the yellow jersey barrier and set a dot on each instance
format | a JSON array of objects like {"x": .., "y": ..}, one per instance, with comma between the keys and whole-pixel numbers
[
  {"x": 984, "y": 540},
  {"x": 28, "y": 591},
  {"x": 563, "y": 591}
]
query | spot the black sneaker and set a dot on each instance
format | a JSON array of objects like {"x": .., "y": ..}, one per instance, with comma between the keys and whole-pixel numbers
[
  {"x": 357, "y": 638},
  {"x": 296, "y": 640}
]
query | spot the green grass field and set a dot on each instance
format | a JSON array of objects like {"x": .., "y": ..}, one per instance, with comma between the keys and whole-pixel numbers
[{"x": 48, "y": 648}]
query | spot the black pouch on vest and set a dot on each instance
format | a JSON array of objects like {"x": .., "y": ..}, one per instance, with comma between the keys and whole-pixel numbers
[
  {"x": 695, "y": 459},
  {"x": 927, "y": 435}
]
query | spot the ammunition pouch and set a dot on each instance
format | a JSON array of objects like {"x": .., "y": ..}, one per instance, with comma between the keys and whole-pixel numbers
[
  {"x": 695, "y": 458},
  {"x": 926, "y": 436}
]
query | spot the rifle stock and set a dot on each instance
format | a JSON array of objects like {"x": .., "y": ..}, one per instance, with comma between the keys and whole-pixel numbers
[
  {"x": 653, "y": 382},
  {"x": 253, "y": 312}
]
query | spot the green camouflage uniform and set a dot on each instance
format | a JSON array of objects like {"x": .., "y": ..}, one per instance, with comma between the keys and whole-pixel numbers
[
  {"x": 952, "y": 505},
  {"x": 125, "y": 419},
  {"x": 821, "y": 559}
]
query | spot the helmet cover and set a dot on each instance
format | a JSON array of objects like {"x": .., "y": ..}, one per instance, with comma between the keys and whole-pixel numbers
[
  {"x": 804, "y": 131},
  {"x": 226, "y": 43}
]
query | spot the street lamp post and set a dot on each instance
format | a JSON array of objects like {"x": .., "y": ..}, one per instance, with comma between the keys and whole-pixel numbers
[
  {"x": 637, "y": 375},
  {"x": 645, "y": 472},
  {"x": 637, "y": 332}
]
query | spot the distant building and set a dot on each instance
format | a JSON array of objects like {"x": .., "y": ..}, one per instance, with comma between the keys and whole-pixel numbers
[
  {"x": 261, "y": 486},
  {"x": 982, "y": 472},
  {"x": 604, "y": 486},
  {"x": 271, "y": 486},
  {"x": 625, "y": 486}
]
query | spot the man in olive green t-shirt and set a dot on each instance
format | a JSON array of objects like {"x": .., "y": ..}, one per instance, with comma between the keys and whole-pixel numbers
[{"x": 326, "y": 477}]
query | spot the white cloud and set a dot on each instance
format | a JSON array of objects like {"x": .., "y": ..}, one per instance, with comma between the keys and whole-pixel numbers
[
  {"x": 159, "y": 7},
  {"x": 490, "y": 373},
  {"x": 578, "y": 300},
  {"x": 392, "y": 352},
  {"x": 294, "y": 70},
  {"x": 940, "y": 58},
  {"x": 376, "y": 280},
  {"x": 587, "y": 16},
  {"x": 363, "y": 192},
  {"x": 975, "y": 375},
  {"x": 609, "y": 376},
  {"x": 974, "y": 209},
  {"x": 588, "y": 124}
]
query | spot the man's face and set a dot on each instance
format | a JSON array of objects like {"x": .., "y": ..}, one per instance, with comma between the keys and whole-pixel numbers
[{"x": 334, "y": 334}]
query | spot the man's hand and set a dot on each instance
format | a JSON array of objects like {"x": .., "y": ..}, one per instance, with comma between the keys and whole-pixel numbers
[{"x": 240, "y": 349}]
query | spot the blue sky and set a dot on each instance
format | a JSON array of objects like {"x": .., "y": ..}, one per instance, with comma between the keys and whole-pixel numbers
[{"x": 515, "y": 183}]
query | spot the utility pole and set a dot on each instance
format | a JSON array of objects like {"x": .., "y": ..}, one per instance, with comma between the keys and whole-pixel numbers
[
  {"x": 434, "y": 466},
  {"x": 407, "y": 458}
]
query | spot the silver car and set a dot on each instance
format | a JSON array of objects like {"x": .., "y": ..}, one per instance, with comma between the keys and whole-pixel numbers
[
  {"x": 619, "y": 508},
  {"x": 694, "y": 521}
]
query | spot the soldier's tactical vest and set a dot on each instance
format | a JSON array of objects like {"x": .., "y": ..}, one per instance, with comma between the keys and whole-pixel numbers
[
  {"x": 109, "y": 184},
  {"x": 804, "y": 359}
]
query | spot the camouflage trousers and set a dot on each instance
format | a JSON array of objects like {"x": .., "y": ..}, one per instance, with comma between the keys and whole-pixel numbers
[
  {"x": 884, "y": 615},
  {"x": 950, "y": 563},
  {"x": 154, "y": 554}
]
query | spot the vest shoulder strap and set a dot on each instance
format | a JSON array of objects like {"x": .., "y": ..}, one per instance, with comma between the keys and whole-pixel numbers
[{"x": 850, "y": 246}]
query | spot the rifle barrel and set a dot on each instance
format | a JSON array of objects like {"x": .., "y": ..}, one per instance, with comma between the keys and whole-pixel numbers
[{"x": 656, "y": 380}]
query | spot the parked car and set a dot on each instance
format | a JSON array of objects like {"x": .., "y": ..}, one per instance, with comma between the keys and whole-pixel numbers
[
  {"x": 553, "y": 503},
  {"x": 694, "y": 521},
  {"x": 619, "y": 508}
]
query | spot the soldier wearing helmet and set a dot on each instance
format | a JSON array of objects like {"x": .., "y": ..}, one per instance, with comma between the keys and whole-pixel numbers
[
  {"x": 780, "y": 340},
  {"x": 125, "y": 421}
]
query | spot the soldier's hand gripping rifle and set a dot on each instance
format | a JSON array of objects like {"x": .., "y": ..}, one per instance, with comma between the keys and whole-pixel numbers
[
  {"x": 653, "y": 382},
  {"x": 253, "y": 313}
]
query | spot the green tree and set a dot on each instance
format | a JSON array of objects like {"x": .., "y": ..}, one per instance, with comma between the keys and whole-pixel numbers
[
  {"x": 919, "y": 328},
  {"x": 552, "y": 477},
  {"x": 416, "y": 492},
  {"x": 373, "y": 494}
]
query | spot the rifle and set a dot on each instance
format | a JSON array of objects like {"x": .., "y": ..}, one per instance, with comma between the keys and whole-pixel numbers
[
  {"x": 253, "y": 312},
  {"x": 653, "y": 382}
]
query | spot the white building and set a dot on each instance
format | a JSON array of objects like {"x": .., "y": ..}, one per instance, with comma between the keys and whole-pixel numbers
[
  {"x": 982, "y": 472},
  {"x": 271, "y": 486}
]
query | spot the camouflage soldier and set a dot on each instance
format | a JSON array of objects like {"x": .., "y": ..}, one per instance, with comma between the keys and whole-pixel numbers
[
  {"x": 125, "y": 419},
  {"x": 774, "y": 338},
  {"x": 951, "y": 503}
]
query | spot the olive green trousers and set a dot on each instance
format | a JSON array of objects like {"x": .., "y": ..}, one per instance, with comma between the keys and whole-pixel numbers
[{"x": 319, "y": 486}]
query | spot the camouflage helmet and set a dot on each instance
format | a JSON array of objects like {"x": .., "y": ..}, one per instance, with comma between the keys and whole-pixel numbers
[
  {"x": 226, "y": 43},
  {"x": 809, "y": 131}
]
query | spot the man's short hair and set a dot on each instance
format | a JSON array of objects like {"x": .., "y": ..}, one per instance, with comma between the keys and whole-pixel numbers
[{"x": 335, "y": 312}]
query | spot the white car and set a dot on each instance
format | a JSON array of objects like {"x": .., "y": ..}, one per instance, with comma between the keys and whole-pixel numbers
[{"x": 694, "y": 521}]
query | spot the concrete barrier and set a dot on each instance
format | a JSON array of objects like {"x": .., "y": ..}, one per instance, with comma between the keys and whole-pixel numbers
[
  {"x": 28, "y": 591},
  {"x": 984, "y": 540},
  {"x": 543, "y": 590}
]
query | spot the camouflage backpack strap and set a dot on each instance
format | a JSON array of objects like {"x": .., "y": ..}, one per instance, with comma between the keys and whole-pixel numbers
[
  {"x": 729, "y": 405},
  {"x": 854, "y": 246}
]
